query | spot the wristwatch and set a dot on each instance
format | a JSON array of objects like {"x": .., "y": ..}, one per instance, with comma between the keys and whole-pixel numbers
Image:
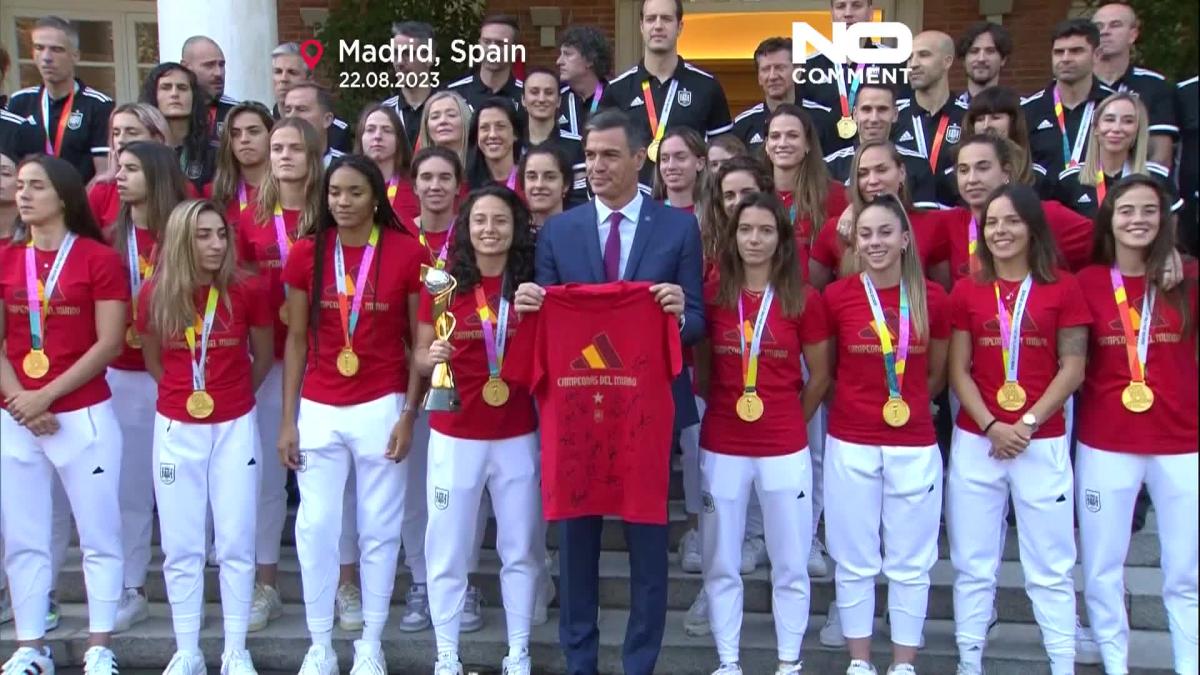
[{"x": 1030, "y": 421}]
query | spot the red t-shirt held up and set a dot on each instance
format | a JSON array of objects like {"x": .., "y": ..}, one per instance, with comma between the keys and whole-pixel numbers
[
  {"x": 227, "y": 368},
  {"x": 927, "y": 226},
  {"x": 1050, "y": 308},
  {"x": 131, "y": 357},
  {"x": 600, "y": 359},
  {"x": 857, "y": 412},
  {"x": 382, "y": 337},
  {"x": 782, "y": 429},
  {"x": 258, "y": 246},
  {"x": 92, "y": 272},
  {"x": 1169, "y": 426},
  {"x": 476, "y": 419},
  {"x": 1072, "y": 234}
]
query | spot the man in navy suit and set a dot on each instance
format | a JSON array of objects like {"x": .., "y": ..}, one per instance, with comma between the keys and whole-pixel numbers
[{"x": 650, "y": 242}]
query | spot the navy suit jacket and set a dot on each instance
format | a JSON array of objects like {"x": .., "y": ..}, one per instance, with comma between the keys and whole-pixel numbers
[{"x": 666, "y": 249}]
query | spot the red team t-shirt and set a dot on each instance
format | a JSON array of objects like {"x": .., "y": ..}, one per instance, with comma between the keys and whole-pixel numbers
[
  {"x": 927, "y": 226},
  {"x": 92, "y": 273},
  {"x": 405, "y": 202},
  {"x": 1169, "y": 426},
  {"x": 476, "y": 419},
  {"x": 1050, "y": 307},
  {"x": 857, "y": 412},
  {"x": 1072, "y": 233},
  {"x": 234, "y": 210},
  {"x": 257, "y": 245},
  {"x": 782, "y": 429},
  {"x": 382, "y": 336},
  {"x": 105, "y": 202},
  {"x": 434, "y": 241},
  {"x": 227, "y": 369},
  {"x": 835, "y": 203},
  {"x": 600, "y": 359},
  {"x": 131, "y": 357}
]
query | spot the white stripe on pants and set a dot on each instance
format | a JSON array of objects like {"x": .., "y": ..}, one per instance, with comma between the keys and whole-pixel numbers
[
  {"x": 198, "y": 466},
  {"x": 459, "y": 470},
  {"x": 272, "y": 492},
  {"x": 784, "y": 487},
  {"x": 137, "y": 394},
  {"x": 1107, "y": 485},
  {"x": 328, "y": 454},
  {"x": 86, "y": 454},
  {"x": 896, "y": 489},
  {"x": 978, "y": 489}
]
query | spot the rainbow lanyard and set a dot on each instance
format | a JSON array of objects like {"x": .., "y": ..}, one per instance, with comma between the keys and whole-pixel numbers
[
  {"x": 392, "y": 187},
  {"x": 55, "y": 149},
  {"x": 138, "y": 271},
  {"x": 973, "y": 246},
  {"x": 658, "y": 127},
  {"x": 1131, "y": 321},
  {"x": 847, "y": 99},
  {"x": 39, "y": 294},
  {"x": 493, "y": 342},
  {"x": 243, "y": 202},
  {"x": 189, "y": 334},
  {"x": 349, "y": 310},
  {"x": 1010, "y": 327},
  {"x": 753, "y": 336},
  {"x": 1071, "y": 156},
  {"x": 440, "y": 261},
  {"x": 894, "y": 359},
  {"x": 599, "y": 91}
]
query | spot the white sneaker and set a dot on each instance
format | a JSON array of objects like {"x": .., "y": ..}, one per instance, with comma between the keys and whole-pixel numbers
[
  {"x": 754, "y": 554},
  {"x": 368, "y": 659},
  {"x": 858, "y": 667},
  {"x": 29, "y": 661},
  {"x": 447, "y": 664},
  {"x": 472, "y": 617},
  {"x": 817, "y": 567},
  {"x": 6, "y": 614},
  {"x": 689, "y": 552},
  {"x": 695, "y": 623},
  {"x": 516, "y": 665},
  {"x": 728, "y": 669},
  {"x": 541, "y": 602},
  {"x": 831, "y": 632},
  {"x": 237, "y": 662},
  {"x": 416, "y": 609},
  {"x": 99, "y": 660},
  {"x": 319, "y": 660},
  {"x": 1087, "y": 652},
  {"x": 132, "y": 609},
  {"x": 187, "y": 663},
  {"x": 901, "y": 669},
  {"x": 264, "y": 607},
  {"x": 348, "y": 605},
  {"x": 789, "y": 668}
]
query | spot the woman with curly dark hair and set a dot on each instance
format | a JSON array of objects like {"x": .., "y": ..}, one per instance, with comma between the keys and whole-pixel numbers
[
  {"x": 491, "y": 442},
  {"x": 174, "y": 90}
]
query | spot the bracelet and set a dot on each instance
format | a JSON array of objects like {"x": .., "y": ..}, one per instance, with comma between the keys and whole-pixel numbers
[{"x": 989, "y": 425}]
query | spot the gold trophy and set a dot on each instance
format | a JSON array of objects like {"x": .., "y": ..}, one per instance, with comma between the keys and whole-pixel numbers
[{"x": 442, "y": 396}]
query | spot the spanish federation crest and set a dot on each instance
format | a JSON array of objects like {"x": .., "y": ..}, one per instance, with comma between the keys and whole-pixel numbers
[
  {"x": 75, "y": 121},
  {"x": 166, "y": 473},
  {"x": 707, "y": 501},
  {"x": 1091, "y": 500},
  {"x": 684, "y": 97},
  {"x": 302, "y": 461},
  {"x": 441, "y": 498},
  {"x": 953, "y": 133}
]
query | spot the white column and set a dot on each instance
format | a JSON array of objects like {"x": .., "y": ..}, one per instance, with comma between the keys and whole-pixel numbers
[{"x": 246, "y": 30}]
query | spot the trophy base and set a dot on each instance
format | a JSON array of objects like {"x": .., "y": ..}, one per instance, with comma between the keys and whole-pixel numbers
[{"x": 442, "y": 400}]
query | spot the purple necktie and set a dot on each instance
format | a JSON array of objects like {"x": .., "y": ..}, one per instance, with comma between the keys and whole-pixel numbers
[{"x": 612, "y": 248}]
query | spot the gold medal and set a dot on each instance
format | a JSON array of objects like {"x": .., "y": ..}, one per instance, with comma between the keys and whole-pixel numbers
[
  {"x": 36, "y": 364},
  {"x": 132, "y": 338},
  {"x": 896, "y": 412},
  {"x": 749, "y": 407},
  {"x": 652, "y": 150},
  {"x": 347, "y": 362},
  {"x": 846, "y": 128},
  {"x": 283, "y": 313},
  {"x": 200, "y": 404},
  {"x": 1011, "y": 396},
  {"x": 495, "y": 392},
  {"x": 1137, "y": 397}
]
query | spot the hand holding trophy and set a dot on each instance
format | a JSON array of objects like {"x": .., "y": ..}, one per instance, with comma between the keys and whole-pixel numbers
[{"x": 443, "y": 395}]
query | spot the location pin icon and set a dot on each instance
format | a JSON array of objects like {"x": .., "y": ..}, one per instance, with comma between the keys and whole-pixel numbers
[{"x": 311, "y": 51}]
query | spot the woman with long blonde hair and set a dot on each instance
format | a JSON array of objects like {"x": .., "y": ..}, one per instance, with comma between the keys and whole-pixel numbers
[
  {"x": 681, "y": 173},
  {"x": 243, "y": 159},
  {"x": 128, "y": 122},
  {"x": 445, "y": 124},
  {"x": 206, "y": 334}
]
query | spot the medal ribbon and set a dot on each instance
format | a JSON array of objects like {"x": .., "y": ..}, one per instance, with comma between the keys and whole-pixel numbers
[
  {"x": 1010, "y": 327},
  {"x": 938, "y": 137},
  {"x": 349, "y": 311},
  {"x": 242, "y": 200},
  {"x": 37, "y": 294},
  {"x": 136, "y": 274},
  {"x": 973, "y": 246},
  {"x": 494, "y": 342},
  {"x": 1071, "y": 155},
  {"x": 392, "y": 187},
  {"x": 281, "y": 236},
  {"x": 189, "y": 334},
  {"x": 56, "y": 148},
  {"x": 596, "y": 97},
  {"x": 750, "y": 358},
  {"x": 511, "y": 183},
  {"x": 895, "y": 359},
  {"x": 1137, "y": 355},
  {"x": 658, "y": 127},
  {"x": 847, "y": 101},
  {"x": 440, "y": 261}
]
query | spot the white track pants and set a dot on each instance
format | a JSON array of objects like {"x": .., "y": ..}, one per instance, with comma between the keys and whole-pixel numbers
[
  {"x": 198, "y": 466},
  {"x": 333, "y": 442},
  {"x": 1040, "y": 483},
  {"x": 817, "y": 427},
  {"x": 784, "y": 488},
  {"x": 689, "y": 443},
  {"x": 136, "y": 395},
  {"x": 272, "y": 492},
  {"x": 86, "y": 455},
  {"x": 416, "y": 515},
  {"x": 1107, "y": 485},
  {"x": 889, "y": 496},
  {"x": 459, "y": 470}
]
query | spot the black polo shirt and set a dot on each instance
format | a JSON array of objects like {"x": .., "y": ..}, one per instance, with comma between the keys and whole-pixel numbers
[
  {"x": 476, "y": 92},
  {"x": 339, "y": 134},
  {"x": 826, "y": 93},
  {"x": 217, "y": 112},
  {"x": 1187, "y": 107},
  {"x": 573, "y": 111},
  {"x": 19, "y": 136},
  {"x": 1082, "y": 199},
  {"x": 86, "y": 135},
  {"x": 410, "y": 116},
  {"x": 916, "y": 128},
  {"x": 1157, "y": 95},
  {"x": 1045, "y": 138},
  {"x": 751, "y": 125},
  {"x": 922, "y": 188}
]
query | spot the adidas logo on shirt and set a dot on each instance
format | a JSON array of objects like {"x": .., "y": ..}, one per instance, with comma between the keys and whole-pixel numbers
[
  {"x": 637, "y": 100},
  {"x": 756, "y": 138},
  {"x": 1085, "y": 200},
  {"x": 906, "y": 136},
  {"x": 562, "y": 119},
  {"x": 1045, "y": 125}
]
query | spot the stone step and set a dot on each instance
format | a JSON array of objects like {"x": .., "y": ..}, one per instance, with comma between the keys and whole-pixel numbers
[
  {"x": 1143, "y": 588},
  {"x": 1014, "y": 649}
]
